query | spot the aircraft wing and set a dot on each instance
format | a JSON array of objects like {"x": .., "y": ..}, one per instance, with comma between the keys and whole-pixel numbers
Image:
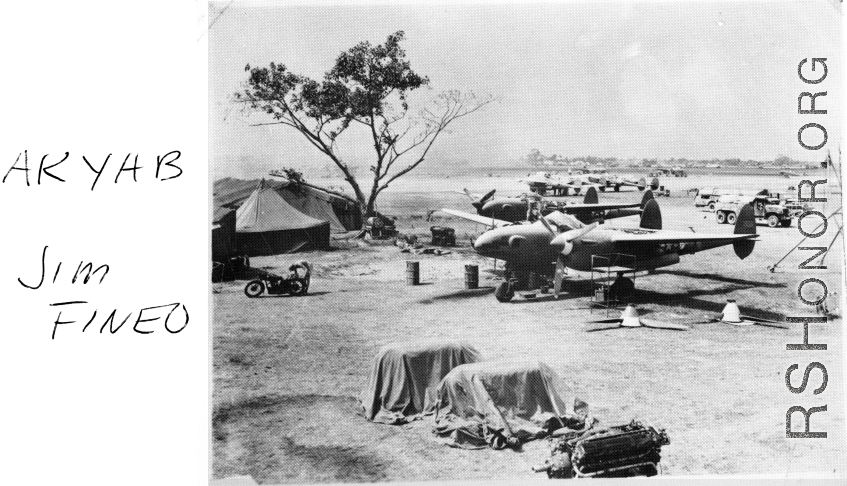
[
  {"x": 476, "y": 218},
  {"x": 638, "y": 235},
  {"x": 597, "y": 206},
  {"x": 629, "y": 183}
]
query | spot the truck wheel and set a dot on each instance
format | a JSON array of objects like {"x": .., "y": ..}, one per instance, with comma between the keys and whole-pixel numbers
[
  {"x": 617, "y": 188},
  {"x": 730, "y": 218},
  {"x": 773, "y": 221},
  {"x": 711, "y": 206},
  {"x": 602, "y": 188},
  {"x": 504, "y": 292},
  {"x": 786, "y": 223},
  {"x": 721, "y": 217}
]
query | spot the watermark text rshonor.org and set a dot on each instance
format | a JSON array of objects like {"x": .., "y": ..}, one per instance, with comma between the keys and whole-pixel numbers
[{"x": 813, "y": 72}]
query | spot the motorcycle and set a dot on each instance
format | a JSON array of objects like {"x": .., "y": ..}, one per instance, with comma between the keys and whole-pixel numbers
[{"x": 294, "y": 284}]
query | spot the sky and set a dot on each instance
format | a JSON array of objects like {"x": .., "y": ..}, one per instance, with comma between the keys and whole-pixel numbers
[{"x": 627, "y": 80}]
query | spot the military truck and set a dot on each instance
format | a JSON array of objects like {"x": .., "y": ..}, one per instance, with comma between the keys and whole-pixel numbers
[{"x": 768, "y": 209}]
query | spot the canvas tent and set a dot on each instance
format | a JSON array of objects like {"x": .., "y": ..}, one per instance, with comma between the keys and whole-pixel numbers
[
  {"x": 404, "y": 378},
  {"x": 342, "y": 212},
  {"x": 223, "y": 234},
  {"x": 307, "y": 203},
  {"x": 504, "y": 403},
  {"x": 267, "y": 225}
]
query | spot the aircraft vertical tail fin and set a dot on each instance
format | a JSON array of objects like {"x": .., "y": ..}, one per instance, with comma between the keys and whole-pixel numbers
[
  {"x": 591, "y": 196},
  {"x": 648, "y": 196},
  {"x": 654, "y": 184},
  {"x": 745, "y": 224},
  {"x": 651, "y": 216}
]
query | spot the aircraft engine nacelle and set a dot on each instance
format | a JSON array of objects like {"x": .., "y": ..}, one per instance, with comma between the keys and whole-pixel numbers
[{"x": 659, "y": 262}]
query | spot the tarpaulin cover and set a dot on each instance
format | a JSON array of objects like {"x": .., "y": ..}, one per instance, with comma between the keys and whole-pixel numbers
[
  {"x": 404, "y": 378},
  {"x": 504, "y": 403}
]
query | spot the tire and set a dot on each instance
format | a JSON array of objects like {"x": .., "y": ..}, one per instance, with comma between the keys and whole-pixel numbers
[
  {"x": 254, "y": 288},
  {"x": 711, "y": 206},
  {"x": 298, "y": 287},
  {"x": 773, "y": 221},
  {"x": 721, "y": 217},
  {"x": 617, "y": 188},
  {"x": 786, "y": 223},
  {"x": 602, "y": 188},
  {"x": 504, "y": 292},
  {"x": 731, "y": 218}
]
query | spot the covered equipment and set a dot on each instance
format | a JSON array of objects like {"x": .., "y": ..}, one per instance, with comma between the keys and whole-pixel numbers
[
  {"x": 404, "y": 378},
  {"x": 499, "y": 404},
  {"x": 266, "y": 224}
]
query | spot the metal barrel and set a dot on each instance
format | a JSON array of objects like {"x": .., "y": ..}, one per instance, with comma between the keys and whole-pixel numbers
[
  {"x": 413, "y": 273},
  {"x": 471, "y": 276}
]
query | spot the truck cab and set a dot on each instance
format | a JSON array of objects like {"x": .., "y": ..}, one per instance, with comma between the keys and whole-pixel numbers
[{"x": 767, "y": 208}]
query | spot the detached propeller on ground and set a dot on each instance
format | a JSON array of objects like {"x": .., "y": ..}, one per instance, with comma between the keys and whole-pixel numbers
[
  {"x": 629, "y": 319},
  {"x": 731, "y": 314},
  {"x": 566, "y": 241}
]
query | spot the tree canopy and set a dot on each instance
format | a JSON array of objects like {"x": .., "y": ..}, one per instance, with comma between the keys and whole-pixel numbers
[{"x": 368, "y": 85}]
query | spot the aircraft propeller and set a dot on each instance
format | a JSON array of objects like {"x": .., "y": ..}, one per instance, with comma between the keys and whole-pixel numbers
[
  {"x": 629, "y": 319},
  {"x": 479, "y": 202}
]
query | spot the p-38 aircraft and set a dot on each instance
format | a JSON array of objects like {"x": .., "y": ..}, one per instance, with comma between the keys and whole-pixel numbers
[
  {"x": 514, "y": 209},
  {"x": 543, "y": 182},
  {"x": 561, "y": 238}
]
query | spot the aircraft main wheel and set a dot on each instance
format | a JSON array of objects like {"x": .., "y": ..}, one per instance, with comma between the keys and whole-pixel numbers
[
  {"x": 721, "y": 217},
  {"x": 504, "y": 292},
  {"x": 576, "y": 191},
  {"x": 730, "y": 218},
  {"x": 254, "y": 288},
  {"x": 602, "y": 188},
  {"x": 773, "y": 221},
  {"x": 711, "y": 206}
]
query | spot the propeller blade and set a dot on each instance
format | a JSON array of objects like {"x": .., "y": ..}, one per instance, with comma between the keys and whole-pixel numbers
[
  {"x": 605, "y": 328},
  {"x": 558, "y": 276},
  {"x": 466, "y": 192},
  {"x": 484, "y": 199},
  {"x": 547, "y": 225},
  {"x": 663, "y": 325},
  {"x": 573, "y": 235},
  {"x": 765, "y": 324},
  {"x": 604, "y": 321},
  {"x": 761, "y": 319}
]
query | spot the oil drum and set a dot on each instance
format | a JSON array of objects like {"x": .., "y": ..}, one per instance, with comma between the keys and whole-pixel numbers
[
  {"x": 413, "y": 273},
  {"x": 471, "y": 276}
]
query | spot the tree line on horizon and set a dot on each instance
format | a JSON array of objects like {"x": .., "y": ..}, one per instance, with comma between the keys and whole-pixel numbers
[{"x": 536, "y": 158}]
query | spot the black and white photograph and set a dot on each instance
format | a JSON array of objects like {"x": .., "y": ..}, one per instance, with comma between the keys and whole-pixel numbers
[{"x": 525, "y": 241}]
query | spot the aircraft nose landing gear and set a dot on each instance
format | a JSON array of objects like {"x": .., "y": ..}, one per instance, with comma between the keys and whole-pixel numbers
[{"x": 504, "y": 292}]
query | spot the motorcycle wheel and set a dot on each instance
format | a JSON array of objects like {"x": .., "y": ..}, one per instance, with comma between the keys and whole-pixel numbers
[
  {"x": 298, "y": 287},
  {"x": 254, "y": 288}
]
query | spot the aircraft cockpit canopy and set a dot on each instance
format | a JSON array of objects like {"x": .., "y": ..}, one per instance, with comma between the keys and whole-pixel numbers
[{"x": 563, "y": 222}]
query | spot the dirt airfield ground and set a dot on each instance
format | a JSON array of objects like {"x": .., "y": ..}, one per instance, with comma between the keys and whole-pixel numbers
[{"x": 287, "y": 371}]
